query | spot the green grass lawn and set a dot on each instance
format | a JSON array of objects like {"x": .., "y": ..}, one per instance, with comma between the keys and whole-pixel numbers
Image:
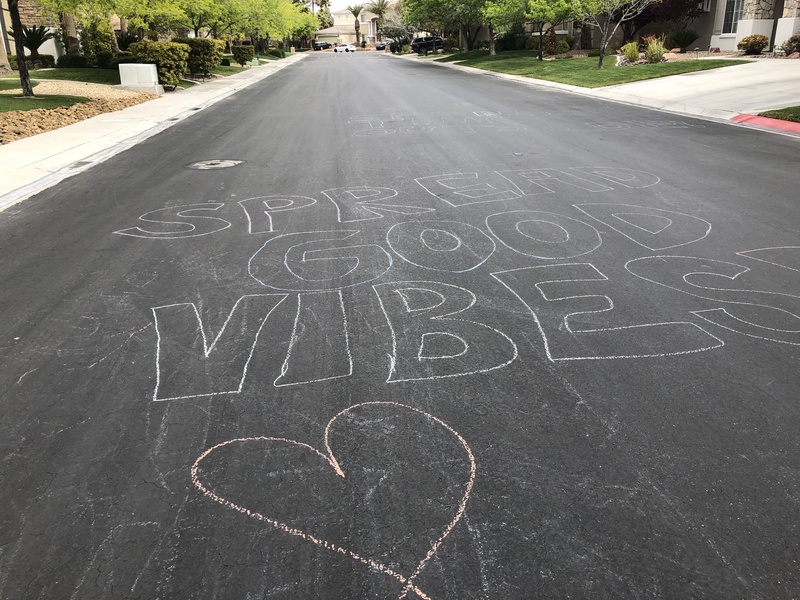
[
  {"x": 13, "y": 84},
  {"x": 225, "y": 71},
  {"x": 105, "y": 76},
  {"x": 581, "y": 72},
  {"x": 785, "y": 114},
  {"x": 9, "y": 103}
]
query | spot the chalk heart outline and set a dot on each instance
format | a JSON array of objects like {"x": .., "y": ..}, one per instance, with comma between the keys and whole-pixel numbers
[{"x": 329, "y": 457}]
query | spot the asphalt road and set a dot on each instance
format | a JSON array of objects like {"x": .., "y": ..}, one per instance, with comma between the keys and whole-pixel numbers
[{"x": 437, "y": 335}]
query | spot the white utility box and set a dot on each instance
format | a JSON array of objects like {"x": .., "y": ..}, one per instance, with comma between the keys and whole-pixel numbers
[{"x": 141, "y": 78}]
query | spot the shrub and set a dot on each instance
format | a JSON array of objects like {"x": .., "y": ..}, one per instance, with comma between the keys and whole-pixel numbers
[
  {"x": 226, "y": 62},
  {"x": 562, "y": 46},
  {"x": 363, "y": 43},
  {"x": 481, "y": 45},
  {"x": 570, "y": 41},
  {"x": 405, "y": 49},
  {"x": 70, "y": 61},
  {"x": 125, "y": 39},
  {"x": 46, "y": 61},
  {"x": 96, "y": 37},
  {"x": 655, "y": 49},
  {"x": 170, "y": 59},
  {"x": 753, "y": 44},
  {"x": 532, "y": 43},
  {"x": 684, "y": 38},
  {"x": 243, "y": 54},
  {"x": 204, "y": 53},
  {"x": 104, "y": 59},
  {"x": 123, "y": 58},
  {"x": 792, "y": 44},
  {"x": 277, "y": 53},
  {"x": 33, "y": 38},
  {"x": 631, "y": 51}
]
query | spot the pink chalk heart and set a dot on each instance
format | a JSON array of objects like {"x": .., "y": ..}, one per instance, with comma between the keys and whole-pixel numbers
[{"x": 387, "y": 486}]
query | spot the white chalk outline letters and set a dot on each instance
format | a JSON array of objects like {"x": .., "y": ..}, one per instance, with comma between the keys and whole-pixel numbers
[
  {"x": 473, "y": 193},
  {"x": 175, "y": 235},
  {"x": 748, "y": 254},
  {"x": 307, "y": 256},
  {"x": 371, "y": 203},
  {"x": 441, "y": 226},
  {"x": 535, "y": 213},
  {"x": 208, "y": 349},
  {"x": 268, "y": 213},
  {"x": 400, "y": 287},
  {"x": 601, "y": 277},
  {"x": 294, "y": 339},
  {"x": 646, "y": 210},
  {"x": 706, "y": 314}
]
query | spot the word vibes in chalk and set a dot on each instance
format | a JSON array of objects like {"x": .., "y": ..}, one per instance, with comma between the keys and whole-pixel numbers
[{"x": 430, "y": 332}]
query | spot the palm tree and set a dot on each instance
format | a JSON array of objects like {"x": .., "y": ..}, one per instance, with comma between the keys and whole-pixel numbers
[
  {"x": 32, "y": 38},
  {"x": 379, "y": 8},
  {"x": 356, "y": 11}
]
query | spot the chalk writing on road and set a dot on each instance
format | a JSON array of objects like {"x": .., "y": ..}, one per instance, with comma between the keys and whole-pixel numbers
[{"x": 573, "y": 305}]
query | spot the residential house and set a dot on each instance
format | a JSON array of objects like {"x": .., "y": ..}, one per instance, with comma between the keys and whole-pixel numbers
[
  {"x": 344, "y": 29},
  {"x": 30, "y": 15}
]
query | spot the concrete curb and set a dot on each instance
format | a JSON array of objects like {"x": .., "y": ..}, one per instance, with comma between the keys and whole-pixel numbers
[
  {"x": 36, "y": 163},
  {"x": 614, "y": 94}
]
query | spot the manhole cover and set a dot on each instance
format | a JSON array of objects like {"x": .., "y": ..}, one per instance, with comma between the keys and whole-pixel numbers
[{"x": 220, "y": 163}]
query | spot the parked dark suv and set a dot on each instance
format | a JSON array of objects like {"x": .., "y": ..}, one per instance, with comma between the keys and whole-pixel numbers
[
  {"x": 321, "y": 45},
  {"x": 428, "y": 43}
]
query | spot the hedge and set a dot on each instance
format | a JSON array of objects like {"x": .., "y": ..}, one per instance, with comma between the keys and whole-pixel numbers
[
  {"x": 170, "y": 58},
  {"x": 204, "y": 53},
  {"x": 243, "y": 54},
  {"x": 48, "y": 61}
]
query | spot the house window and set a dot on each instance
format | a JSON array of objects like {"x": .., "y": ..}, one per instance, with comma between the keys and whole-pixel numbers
[
  {"x": 733, "y": 12},
  {"x": 363, "y": 18}
]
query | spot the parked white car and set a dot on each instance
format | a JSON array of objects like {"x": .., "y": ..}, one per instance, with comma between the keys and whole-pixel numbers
[{"x": 345, "y": 48}]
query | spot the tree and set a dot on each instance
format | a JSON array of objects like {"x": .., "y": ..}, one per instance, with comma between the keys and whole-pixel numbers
[
  {"x": 607, "y": 16},
  {"x": 324, "y": 18},
  {"x": 682, "y": 12},
  {"x": 33, "y": 38},
  {"x": 546, "y": 12},
  {"x": 356, "y": 11},
  {"x": 502, "y": 14},
  {"x": 379, "y": 8},
  {"x": 445, "y": 16},
  {"x": 16, "y": 28}
]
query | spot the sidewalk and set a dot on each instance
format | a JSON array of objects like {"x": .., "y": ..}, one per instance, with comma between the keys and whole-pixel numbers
[
  {"x": 33, "y": 164},
  {"x": 734, "y": 94}
]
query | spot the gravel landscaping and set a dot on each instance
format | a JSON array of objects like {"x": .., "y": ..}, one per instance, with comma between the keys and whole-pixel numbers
[{"x": 20, "y": 124}]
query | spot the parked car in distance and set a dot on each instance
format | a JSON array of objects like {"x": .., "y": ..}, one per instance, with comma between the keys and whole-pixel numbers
[
  {"x": 345, "y": 48},
  {"x": 383, "y": 44},
  {"x": 321, "y": 45},
  {"x": 429, "y": 43}
]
